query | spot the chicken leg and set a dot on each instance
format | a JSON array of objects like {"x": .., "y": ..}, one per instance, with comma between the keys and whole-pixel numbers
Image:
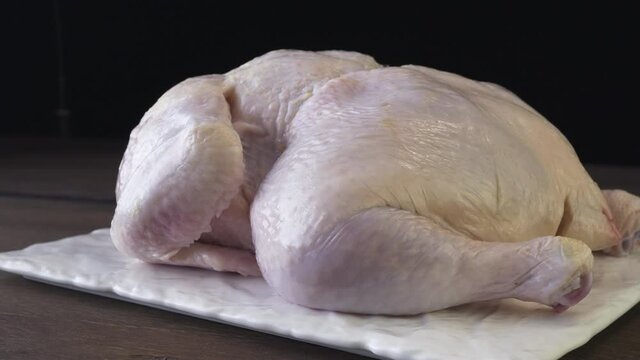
[{"x": 390, "y": 261}]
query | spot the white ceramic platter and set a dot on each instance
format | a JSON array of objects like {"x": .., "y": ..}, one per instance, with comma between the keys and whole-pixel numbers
[{"x": 506, "y": 329}]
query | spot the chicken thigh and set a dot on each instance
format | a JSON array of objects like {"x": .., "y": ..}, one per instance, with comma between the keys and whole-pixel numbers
[{"x": 355, "y": 187}]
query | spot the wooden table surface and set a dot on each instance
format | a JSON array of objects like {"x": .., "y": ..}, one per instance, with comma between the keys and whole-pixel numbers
[{"x": 50, "y": 189}]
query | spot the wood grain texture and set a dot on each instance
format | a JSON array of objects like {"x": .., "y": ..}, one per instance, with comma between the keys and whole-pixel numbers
[
  {"x": 64, "y": 190},
  {"x": 77, "y": 170}
]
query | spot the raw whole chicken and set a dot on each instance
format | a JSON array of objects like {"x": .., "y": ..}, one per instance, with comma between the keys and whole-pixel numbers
[{"x": 354, "y": 187}]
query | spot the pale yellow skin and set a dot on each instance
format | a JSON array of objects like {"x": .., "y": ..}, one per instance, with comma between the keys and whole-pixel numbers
[{"x": 365, "y": 189}]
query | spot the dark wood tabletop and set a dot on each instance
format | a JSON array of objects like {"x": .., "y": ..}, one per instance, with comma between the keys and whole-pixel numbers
[{"x": 51, "y": 189}]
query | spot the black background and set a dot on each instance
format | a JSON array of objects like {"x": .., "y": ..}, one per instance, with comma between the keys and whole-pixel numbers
[{"x": 118, "y": 57}]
